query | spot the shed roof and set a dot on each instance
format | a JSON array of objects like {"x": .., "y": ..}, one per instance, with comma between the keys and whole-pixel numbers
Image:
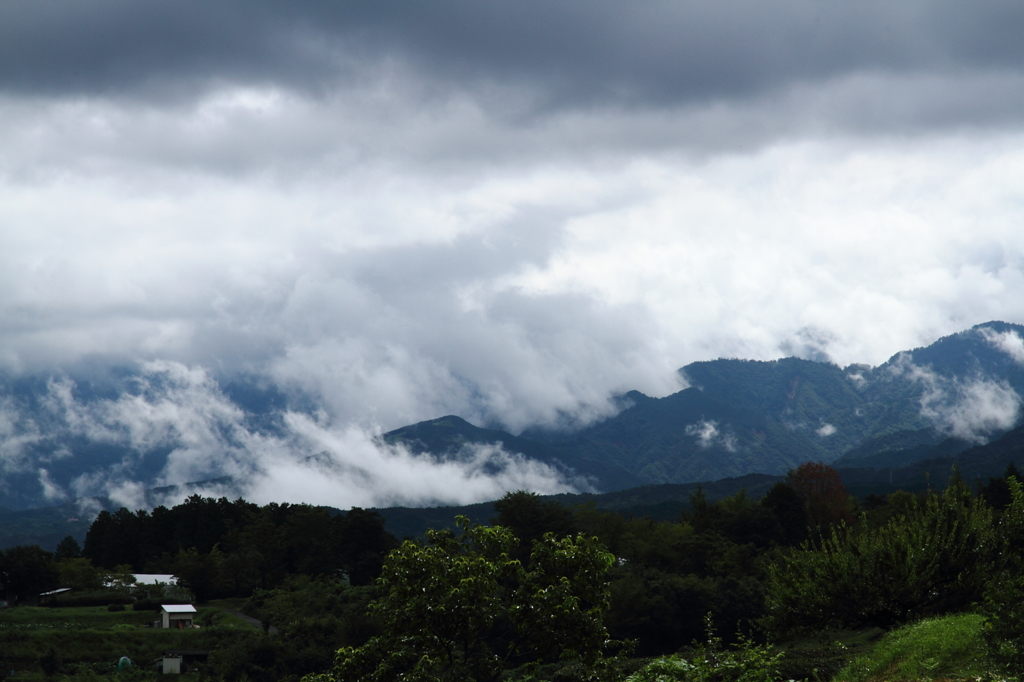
[{"x": 178, "y": 608}]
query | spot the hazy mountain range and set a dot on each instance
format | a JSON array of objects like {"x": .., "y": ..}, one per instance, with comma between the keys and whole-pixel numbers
[{"x": 144, "y": 436}]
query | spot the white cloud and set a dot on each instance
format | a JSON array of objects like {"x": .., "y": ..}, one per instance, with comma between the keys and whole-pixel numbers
[
  {"x": 17, "y": 433},
  {"x": 971, "y": 409},
  {"x": 825, "y": 430},
  {"x": 51, "y": 491},
  {"x": 181, "y": 409},
  {"x": 708, "y": 434},
  {"x": 1009, "y": 342}
]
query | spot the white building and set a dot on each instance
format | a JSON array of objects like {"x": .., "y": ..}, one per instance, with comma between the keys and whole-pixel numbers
[
  {"x": 177, "y": 615},
  {"x": 155, "y": 579}
]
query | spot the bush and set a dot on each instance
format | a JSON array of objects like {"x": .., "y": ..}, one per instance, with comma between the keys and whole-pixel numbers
[
  {"x": 711, "y": 662},
  {"x": 146, "y": 605},
  {"x": 115, "y": 607},
  {"x": 931, "y": 561},
  {"x": 1004, "y": 598}
]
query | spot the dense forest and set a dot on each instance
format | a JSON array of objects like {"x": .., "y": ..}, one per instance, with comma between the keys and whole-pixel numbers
[{"x": 552, "y": 585}]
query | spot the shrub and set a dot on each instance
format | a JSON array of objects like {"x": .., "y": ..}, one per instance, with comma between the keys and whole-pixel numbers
[
  {"x": 711, "y": 662},
  {"x": 930, "y": 561},
  {"x": 115, "y": 607},
  {"x": 1004, "y": 598}
]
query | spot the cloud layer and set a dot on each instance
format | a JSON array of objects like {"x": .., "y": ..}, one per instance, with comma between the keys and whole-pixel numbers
[
  {"x": 177, "y": 417},
  {"x": 511, "y": 212}
]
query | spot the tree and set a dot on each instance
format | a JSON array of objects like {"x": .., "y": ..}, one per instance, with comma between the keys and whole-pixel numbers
[
  {"x": 197, "y": 572},
  {"x": 931, "y": 561},
  {"x": 27, "y": 570},
  {"x": 787, "y": 506},
  {"x": 461, "y": 608},
  {"x": 529, "y": 518},
  {"x": 1004, "y": 595},
  {"x": 825, "y": 499},
  {"x": 79, "y": 574},
  {"x": 997, "y": 492},
  {"x": 68, "y": 549}
]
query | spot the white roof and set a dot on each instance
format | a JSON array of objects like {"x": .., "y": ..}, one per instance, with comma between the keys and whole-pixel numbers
[
  {"x": 178, "y": 608},
  {"x": 52, "y": 592},
  {"x": 154, "y": 578}
]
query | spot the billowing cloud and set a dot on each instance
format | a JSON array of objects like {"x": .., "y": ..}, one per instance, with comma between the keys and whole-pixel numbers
[
  {"x": 178, "y": 416},
  {"x": 1009, "y": 342},
  {"x": 971, "y": 409}
]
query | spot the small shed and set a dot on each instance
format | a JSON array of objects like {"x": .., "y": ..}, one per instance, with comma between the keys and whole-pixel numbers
[
  {"x": 181, "y": 660},
  {"x": 177, "y": 615}
]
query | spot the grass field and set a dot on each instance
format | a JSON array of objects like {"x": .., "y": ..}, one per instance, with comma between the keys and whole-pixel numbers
[
  {"x": 948, "y": 648},
  {"x": 90, "y": 640}
]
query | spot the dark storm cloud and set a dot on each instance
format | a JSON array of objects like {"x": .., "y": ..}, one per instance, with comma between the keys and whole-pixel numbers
[{"x": 661, "y": 52}]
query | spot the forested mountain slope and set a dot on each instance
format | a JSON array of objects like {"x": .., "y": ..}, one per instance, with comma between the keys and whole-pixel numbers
[{"x": 741, "y": 416}]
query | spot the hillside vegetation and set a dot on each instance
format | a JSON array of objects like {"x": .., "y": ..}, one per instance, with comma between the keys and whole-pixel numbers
[{"x": 738, "y": 588}]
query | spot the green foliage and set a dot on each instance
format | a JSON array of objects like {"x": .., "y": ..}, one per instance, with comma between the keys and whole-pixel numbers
[
  {"x": 459, "y": 607},
  {"x": 930, "y": 561},
  {"x": 950, "y": 647},
  {"x": 529, "y": 518},
  {"x": 25, "y": 571},
  {"x": 558, "y": 607},
  {"x": 312, "y": 616},
  {"x": 79, "y": 574},
  {"x": 1004, "y": 598},
  {"x": 711, "y": 661},
  {"x": 668, "y": 575},
  {"x": 222, "y": 548},
  {"x": 68, "y": 548}
]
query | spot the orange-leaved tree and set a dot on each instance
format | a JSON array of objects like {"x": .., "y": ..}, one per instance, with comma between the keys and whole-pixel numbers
[{"x": 825, "y": 499}]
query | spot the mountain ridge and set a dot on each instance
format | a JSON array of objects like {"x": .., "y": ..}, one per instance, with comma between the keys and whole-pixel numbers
[{"x": 740, "y": 417}]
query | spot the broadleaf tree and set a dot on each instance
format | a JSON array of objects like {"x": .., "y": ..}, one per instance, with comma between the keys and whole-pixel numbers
[{"x": 460, "y": 607}]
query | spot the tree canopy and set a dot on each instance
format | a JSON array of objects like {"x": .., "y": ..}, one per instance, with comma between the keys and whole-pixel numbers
[{"x": 460, "y": 607}]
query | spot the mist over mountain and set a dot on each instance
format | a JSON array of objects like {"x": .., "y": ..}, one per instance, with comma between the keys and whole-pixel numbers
[{"x": 155, "y": 432}]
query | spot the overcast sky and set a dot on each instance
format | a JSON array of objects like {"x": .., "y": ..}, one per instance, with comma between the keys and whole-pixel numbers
[{"x": 504, "y": 210}]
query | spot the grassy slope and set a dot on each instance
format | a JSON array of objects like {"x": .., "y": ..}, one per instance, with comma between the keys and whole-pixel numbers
[{"x": 947, "y": 648}]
